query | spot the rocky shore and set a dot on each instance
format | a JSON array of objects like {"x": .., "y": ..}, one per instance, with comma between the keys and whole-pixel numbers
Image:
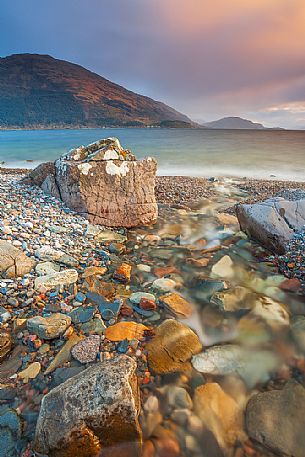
[{"x": 176, "y": 339}]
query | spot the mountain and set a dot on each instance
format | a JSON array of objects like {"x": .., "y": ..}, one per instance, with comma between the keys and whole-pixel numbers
[
  {"x": 38, "y": 91},
  {"x": 234, "y": 123}
]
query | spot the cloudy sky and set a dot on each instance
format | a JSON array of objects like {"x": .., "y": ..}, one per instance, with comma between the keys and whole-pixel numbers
[{"x": 206, "y": 58}]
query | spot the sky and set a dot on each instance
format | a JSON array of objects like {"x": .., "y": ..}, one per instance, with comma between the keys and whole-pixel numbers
[{"x": 206, "y": 58}]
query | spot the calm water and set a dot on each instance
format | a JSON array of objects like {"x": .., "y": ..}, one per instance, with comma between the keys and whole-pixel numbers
[{"x": 262, "y": 154}]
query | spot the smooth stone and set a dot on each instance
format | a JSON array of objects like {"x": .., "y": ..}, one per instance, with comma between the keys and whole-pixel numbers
[
  {"x": 276, "y": 420},
  {"x": 223, "y": 268},
  {"x": 97, "y": 409},
  {"x": 125, "y": 331},
  {"x": 109, "y": 235},
  {"x": 5, "y": 315},
  {"x": 272, "y": 312},
  {"x": 30, "y": 372},
  {"x": 164, "y": 284},
  {"x": 62, "y": 278},
  {"x": 86, "y": 350},
  {"x": 178, "y": 305},
  {"x": 50, "y": 327},
  {"x": 172, "y": 347},
  {"x": 253, "y": 365},
  {"x": 136, "y": 297},
  {"x": 178, "y": 398},
  {"x": 220, "y": 414},
  {"x": 46, "y": 268}
]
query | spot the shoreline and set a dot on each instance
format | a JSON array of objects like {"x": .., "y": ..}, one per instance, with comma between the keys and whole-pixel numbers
[{"x": 191, "y": 189}]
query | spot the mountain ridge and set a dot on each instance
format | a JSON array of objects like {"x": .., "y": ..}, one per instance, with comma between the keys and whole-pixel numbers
[
  {"x": 40, "y": 91},
  {"x": 234, "y": 122}
]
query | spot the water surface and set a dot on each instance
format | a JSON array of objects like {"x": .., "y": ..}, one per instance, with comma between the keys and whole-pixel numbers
[{"x": 260, "y": 154}]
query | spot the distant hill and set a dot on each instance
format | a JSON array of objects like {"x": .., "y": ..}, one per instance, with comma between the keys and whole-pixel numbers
[
  {"x": 234, "y": 123},
  {"x": 38, "y": 91}
]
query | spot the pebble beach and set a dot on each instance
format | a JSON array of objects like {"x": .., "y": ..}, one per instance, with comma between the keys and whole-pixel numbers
[{"x": 208, "y": 316}]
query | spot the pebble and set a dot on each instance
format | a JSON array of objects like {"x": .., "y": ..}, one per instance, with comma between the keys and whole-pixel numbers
[{"x": 86, "y": 350}]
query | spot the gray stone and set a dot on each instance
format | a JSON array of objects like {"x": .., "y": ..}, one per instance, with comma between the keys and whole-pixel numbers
[
  {"x": 276, "y": 420},
  {"x": 272, "y": 222},
  {"x": 50, "y": 327},
  {"x": 10, "y": 433},
  {"x": 96, "y": 409},
  {"x": 253, "y": 365},
  {"x": 49, "y": 186}
]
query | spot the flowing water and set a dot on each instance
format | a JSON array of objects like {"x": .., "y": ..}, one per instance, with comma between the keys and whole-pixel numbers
[
  {"x": 242, "y": 317},
  {"x": 261, "y": 154}
]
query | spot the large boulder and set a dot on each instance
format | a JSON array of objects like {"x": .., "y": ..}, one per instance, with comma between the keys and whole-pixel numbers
[
  {"x": 105, "y": 183},
  {"x": 96, "y": 410},
  {"x": 13, "y": 262},
  {"x": 276, "y": 420},
  {"x": 273, "y": 222}
]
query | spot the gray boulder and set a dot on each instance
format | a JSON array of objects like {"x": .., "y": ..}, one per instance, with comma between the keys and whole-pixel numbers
[
  {"x": 96, "y": 410},
  {"x": 276, "y": 420},
  {"x": 273, "y": 222},
  {"x": 10, "y": 432}
]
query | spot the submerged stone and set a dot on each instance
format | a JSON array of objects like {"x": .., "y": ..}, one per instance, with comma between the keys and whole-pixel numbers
[{"x": 172, "y": 347}]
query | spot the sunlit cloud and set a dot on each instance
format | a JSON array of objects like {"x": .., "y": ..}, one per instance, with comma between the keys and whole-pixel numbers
[{"x": 207, "y": 58}]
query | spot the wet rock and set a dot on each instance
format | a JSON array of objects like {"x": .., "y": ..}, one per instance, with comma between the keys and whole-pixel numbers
[
  {"x": 177, "y": 304},
  {"x": 223, "y": 268},
  {"x": 276, "y": 420},
  {"x": 219, "y": 413},
  {"x": 125, "y": 331},
  {"x": 55, "y": 279},
  {"x": 49, "y": 327},
  {"x": 272, "y": 222},
  {"x": 172, "y": 347},
  {"x": 103, "y": 417},
  {"x": 127, "y": 185},
  {"x": 10, "y": 433},
  {"x": 164, "y": 284},
  {"x": 109, "y": 235},
  {"x": 122, "y": 273},
  {"x": 147, "y": 305},
  {"x": 298, "y": 331},
  {"x": 86, "y": 350},
  {"x": 252, "y": 364},
  {"x": 272, "y": 312},
  {"x": 13, "y": 262},
  {"x": 136, "y": 297},
  {"x": 6, "y": 343}
]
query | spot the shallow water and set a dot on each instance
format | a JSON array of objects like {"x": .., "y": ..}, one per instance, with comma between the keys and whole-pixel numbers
[
  {"x": 240, "y": 313},
  {"x": 261, "y": 154}
]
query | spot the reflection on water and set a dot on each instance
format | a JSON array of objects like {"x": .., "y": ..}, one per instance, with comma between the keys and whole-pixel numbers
[{"x": 242, "y": 317}]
